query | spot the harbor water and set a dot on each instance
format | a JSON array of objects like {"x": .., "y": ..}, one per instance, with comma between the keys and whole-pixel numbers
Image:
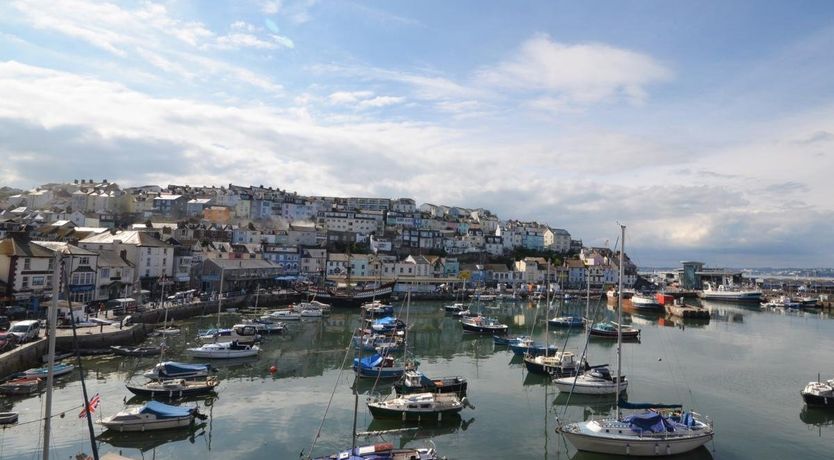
[{"x": 744, "y": 368}]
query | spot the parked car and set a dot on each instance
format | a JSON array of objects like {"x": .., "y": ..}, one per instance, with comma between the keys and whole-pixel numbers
[
  {"x": 5, "y": 323},
  {"x": 26, "y": 330},
  {"x": 7, "y": 341}
]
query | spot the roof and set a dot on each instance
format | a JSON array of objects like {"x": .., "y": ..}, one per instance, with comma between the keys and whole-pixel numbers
[
  {"x": 126, "y": 237},
  {"x": 338, "y": 257},
  {"x": 244, "y": 264},
  {"x": 64, "y": 248},
  {"x": 199, "y": 201},
  {"x": 111, "y": 259},
  {"x": 168, "y": 197},
  {"x": 574, "y": 263},
  {"x": 17, "y": 246}
]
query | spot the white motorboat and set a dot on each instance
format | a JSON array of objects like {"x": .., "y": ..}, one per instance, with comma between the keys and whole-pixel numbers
[
  {"x": 730, "y": 293},
  {"x": 596, "y": 381},
  {"x": 315, "y": 304},
  {"x": 241, "y": 333},
  {"x": 263, "y": 326},
  {"x": 224, "y": 350},
  {"x": 782, "y": 302},
  {"x": 644, "y": 302},
  {"x": 153, "y": 415},
  {"x": 311, "y": 313}
]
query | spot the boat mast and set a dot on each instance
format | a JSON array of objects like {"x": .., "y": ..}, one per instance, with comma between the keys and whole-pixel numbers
[
  {"x": 257, "y": 294},
  {"x": 220, "y": 297},
  {"x": 52, "y": 319},
  {"x": 547, "y": 314},
  {"x": 620, "y": 319}
]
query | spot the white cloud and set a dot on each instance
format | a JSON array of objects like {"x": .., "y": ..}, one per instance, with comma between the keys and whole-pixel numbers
[
  {"x": 349, "y": 97},
  {"x": 271, "y": 6},
  {"x": 576, "y": 73},
  {"x": 381, "y": 101}
]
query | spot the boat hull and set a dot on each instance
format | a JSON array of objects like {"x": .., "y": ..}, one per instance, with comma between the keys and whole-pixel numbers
[
  {"x": 150, "y": 425},
  {"x": 635, "y": 446},
  {"x": 222, "y": 354},
  {"x": 136, "y": 351},
  {"x": 818, "y": 401},
  {"x": 8, "y": 418},
  {"x": 567, "y": 385},
  {"x": 418, "y": 416},
  {"x": 454, "y": 385},
  {"x": 161, "y": 393},
  {"x": 484, "y": 329},
  {"x": 384, "y": 373}
]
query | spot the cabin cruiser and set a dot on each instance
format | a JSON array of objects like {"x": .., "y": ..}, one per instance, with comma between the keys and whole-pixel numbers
[
  {"x": 597, "y": 381},
  {"x": 241, "y": 333},
  {"x": 153, "y": 415}
]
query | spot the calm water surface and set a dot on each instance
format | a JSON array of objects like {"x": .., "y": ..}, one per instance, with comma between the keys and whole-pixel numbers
[{"x": 744, "y": 368}]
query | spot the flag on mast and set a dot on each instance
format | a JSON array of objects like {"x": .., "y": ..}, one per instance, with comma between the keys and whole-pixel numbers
[{"x": 91, "y": 406}]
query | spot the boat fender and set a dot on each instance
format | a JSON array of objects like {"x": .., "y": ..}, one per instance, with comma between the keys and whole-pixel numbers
[{"x": 628, "y": 449}]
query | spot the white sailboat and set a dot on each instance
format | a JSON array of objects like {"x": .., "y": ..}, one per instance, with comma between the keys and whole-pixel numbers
[
  {"x": 595, "y": 381},
  {"x": 660, "y": 431}
]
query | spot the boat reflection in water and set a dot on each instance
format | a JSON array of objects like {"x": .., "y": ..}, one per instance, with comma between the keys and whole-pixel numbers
[
  {"x": 701, "y": 453},
  {"x": 412, "y": 432},
  {"x": 816, "y": 417}
]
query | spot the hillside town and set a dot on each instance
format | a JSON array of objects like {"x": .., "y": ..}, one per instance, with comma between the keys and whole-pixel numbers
[{"x": 181, "y": 237}]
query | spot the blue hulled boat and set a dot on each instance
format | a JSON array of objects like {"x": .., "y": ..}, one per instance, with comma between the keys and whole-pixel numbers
[
  {"x": 532, "y": 348},
  {"x": 567, "y": 322}
]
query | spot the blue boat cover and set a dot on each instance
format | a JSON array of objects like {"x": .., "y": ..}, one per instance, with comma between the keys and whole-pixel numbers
[
  {"x": 164, "y": 410},
  {"x": 172, "y": 367},
  {"x": 649, "y": 421},
  {"x": 369, "y": 362},
  {"x": 386, "y": 321}
]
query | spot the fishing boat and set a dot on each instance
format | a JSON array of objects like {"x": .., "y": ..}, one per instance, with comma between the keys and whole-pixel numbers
[
  {"x": 173, "y": 370},
  {"x": 483, "y": 325},
  {"x": 223, "y": 350},
  {"x": 455, "y": 307},
  {"x": 57, "y": 371},
  {"x": 660, "y": 431},
  {"x": 241, "y": 333},
  {"x": 730, "y": 293},
  {"x": 560, "y": 364},
  {"x": 153, "y": 415},
  {"x": 608, "y": 330},
  {"x": 782, "y": 302},
  {"x": 418, "y": 406},
  {"x": 414, "y": 381},
  {"x": 21, "y": 386},
  {"x": 8, "y": 418},
  {"x": 644, "y": 302},
  {"x": 596, "y": 381},
  {"x": 377, "y": 308},
  {"x": 136, "y": 351},
  {"x": 175, "y": 388},
  {"x": 567, "y": 322},
  {"x": 819, "y": 394},
  {"x": 377, "y": 366}
]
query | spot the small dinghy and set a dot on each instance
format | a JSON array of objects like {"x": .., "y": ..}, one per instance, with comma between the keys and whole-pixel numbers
[
  {"x": 384, "y": 451},
  {"x": 415, "y": 381},
  {"x": 171, "y": 389},
  {"x": 153, "y": 415},
  {"x": 174, "y": 370},
  {"x": 57, "y": 371},
  {"x": 419, "y": 407},
  {"x": 21, "y": 386},
  {"x": 136, "y": 351},
  {"x": 8, "y": 418},
  {"x": 224, "y": 350},
  {"x": 819, "y": 394},
  {"x": 170, "y": 330}
]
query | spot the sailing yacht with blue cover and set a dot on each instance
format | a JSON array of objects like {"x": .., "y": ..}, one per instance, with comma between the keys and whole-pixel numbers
[{"x": 377, "y": 366}]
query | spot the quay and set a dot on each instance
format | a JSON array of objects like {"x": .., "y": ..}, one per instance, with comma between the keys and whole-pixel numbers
[{"x": 100, "y": 337}]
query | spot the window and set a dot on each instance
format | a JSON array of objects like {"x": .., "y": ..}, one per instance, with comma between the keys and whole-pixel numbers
[
  {"x": 148, "y": 262},
  {"x": 51, "y": 263},
  {"x": 149, "y": 251},
  {"x": 147, "y": 272},
  {"x": 84, "y": 261},
  {"x": 164, "y": 262},
  {"x": 48, "y": 280},
  {"x": 37, "y": 281},
  {"x": 25, "y": 281},
  {"x": 27, "y": 264},
  {"x": 105, "y": 273}
]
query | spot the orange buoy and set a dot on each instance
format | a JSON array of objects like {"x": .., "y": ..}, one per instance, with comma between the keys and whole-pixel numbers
[{"x": 273, "y": 369}]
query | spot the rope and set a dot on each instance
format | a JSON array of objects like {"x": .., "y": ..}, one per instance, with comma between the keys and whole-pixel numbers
[
  {"x": 39, "y": 420},
  {"x": 332, "y": 394}
]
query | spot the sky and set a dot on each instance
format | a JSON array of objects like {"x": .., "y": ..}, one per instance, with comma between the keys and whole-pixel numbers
[{"x": 707, "y": 128}]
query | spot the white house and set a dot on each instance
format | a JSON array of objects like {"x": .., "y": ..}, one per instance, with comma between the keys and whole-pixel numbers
[{"x": 151, "y": 257}]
